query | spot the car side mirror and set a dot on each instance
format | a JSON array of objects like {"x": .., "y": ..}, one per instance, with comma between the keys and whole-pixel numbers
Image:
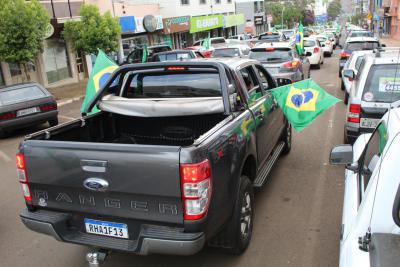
[
  {"x": 308, "y": 54},
  {"x": 349, "y": 73},
  {"x": 283, "y": 81},
  {"x": 341, "y": 155}
]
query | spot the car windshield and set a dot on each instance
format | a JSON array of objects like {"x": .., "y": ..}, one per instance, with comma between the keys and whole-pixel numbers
[
  {"x": 20, "y": 95},
  {"x": 361, "y": 34},
  {"x": 171, "y": 57},
  {"x": 383, "y": 84},
  {"x": 309, "y": 43},
  {"x": 226, "y": 52},
  {"x": 277, "y": 55},
  {"x": 288, "y": 34},
  {"x": 169, "y": 85},
  {"x": 354, "y": 46}
]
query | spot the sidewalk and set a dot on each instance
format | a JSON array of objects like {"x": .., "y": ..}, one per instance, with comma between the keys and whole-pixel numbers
[
  {"x": 71, "y": 91},
  {"x": 390, "y": 42}
]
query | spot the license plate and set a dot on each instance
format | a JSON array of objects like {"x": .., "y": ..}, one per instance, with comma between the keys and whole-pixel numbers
[
  {"x": 27, "y": 111},
  {"x": 369, "y": 123},
  {"x": 112, "y": 229}
]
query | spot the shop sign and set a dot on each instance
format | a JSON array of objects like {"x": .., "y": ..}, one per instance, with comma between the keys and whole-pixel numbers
[
  {"x": 176, "y": 24},
  {"x": 258, "y": 20},
  {"x": 127, "y": 24},
  {"x": 205, "y": 23},
  {"x": 156, "y": 22},
  {"x": 233, "y": 20}
]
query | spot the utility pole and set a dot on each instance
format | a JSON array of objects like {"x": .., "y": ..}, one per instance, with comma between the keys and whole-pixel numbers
[{"x": 283, "y": 8}]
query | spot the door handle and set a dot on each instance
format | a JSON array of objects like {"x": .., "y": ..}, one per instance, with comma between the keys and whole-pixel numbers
[{"x": 89, "y": 165}]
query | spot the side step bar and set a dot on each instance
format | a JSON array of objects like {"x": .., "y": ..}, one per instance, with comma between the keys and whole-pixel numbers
[{"x": 266, "y": 169}]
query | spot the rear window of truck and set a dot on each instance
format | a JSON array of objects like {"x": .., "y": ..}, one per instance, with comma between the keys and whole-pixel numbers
[
  {"x": 172, "y": 85},
  {"x": 383, "y": 84},
  {"x": 272, "y": 55}
]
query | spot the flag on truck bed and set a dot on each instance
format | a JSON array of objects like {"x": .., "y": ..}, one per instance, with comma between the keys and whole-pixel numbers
[
  {"x": 302, "y": 102},
  {"x": 102, "y": 69}
]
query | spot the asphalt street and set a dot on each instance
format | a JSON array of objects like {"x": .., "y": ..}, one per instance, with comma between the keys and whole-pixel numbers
[{"x": 297, "y": 219}]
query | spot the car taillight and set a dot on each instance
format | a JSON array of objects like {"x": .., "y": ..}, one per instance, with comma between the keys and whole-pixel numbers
[
  {"x": 22, "y": 177},
  {"x": 196, "y": 187},
  {"x": 354, "y": 113},
  {"x": 344, "y": 54},
  {"x": 316, "y": 50},
  {"x": 7, "y": 116},
  {"x": 291, "y": 64},
  {"x": 48, "y": 107}
]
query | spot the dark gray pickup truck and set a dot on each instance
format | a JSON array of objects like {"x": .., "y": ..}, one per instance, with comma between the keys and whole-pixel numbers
[{"x": 168, "y": 165}]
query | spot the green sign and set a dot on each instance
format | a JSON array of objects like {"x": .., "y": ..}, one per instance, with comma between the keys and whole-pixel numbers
[
  {"x": 233, "y": 20},
  {"x": 205, "y": 23}
]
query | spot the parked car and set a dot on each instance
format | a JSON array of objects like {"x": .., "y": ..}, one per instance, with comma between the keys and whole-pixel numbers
[
  {"x": 24, "y": 105},
  {"x": 168, "y": 165},
  {"x": 360, "y": 33},
  {"x": 227, "y": 52},
  {"x": 313, "y": 46},
  {"x": 214, "y": 43},
  {"x": 326, "y": 44},
  {"x": 353, "y": 63},
  {"x": 356, "y": 44},
  {"x": 271, "y": 37},
  {"x": 173, "y": 55},
  {"x": 244, "y": 46},
  {"x": 370, "y": 228},
  {"x": 282, "y": 60},
  {"x": 241, "y": 37},
  {"x": 289, "y": 34},
  {"x": 372, "y": 92},
  {"x": 136, "y": 55}
]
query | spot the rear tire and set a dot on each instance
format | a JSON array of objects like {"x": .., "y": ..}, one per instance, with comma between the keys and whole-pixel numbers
[
  {"x": 346, "y": 97},
  {"x": 318, "y": 66},
  {"x": 53, "y": 122},
  {"x": 342, "y": 85},
  {"x": 236, "y": 235},
  {"x": 287, "y": 139}
]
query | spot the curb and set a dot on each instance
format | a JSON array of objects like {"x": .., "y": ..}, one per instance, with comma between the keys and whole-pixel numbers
[{"x": 69, "y": 101}]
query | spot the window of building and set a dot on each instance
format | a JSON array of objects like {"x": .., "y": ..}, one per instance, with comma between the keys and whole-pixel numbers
[
  {"x": 217, "y": 2},
  {"x": 184, "y": 2},
  {"x": 15, "y": 69},
  {"x": 56, "y": 62},
  {"x": 202, "y": 2}
]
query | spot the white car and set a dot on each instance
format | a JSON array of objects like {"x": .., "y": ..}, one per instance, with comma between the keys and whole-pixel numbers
[
  {"x": 353, "y": 63},
  {"x": 370, "y": 234},
  {"x": 313, "y": 46},
  {"x": 242, "y": 45},
  {"x": 229, "y": 51},
  {"x": 327, "y": 45}
]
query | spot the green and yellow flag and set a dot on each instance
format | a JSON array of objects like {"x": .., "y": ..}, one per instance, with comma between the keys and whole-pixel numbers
[
  {"x": 206, "y": 43},
  {"x": 302, "y": 102},
  {"x": 300, "y": 39},
  {"x": 144, "y": 55},
  {"x": 101, "y": 71}
]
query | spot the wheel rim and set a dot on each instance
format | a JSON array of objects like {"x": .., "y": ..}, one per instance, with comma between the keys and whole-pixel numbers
[
  {"x": 245, "y": 216},
  {"x": 288, "y": 135}
]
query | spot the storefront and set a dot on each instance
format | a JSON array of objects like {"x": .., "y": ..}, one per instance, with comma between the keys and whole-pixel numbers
[
  {"x": 231, "y": 22},
  {"x": 206, "y": 26},
  {"x": 177, "y": 28}
]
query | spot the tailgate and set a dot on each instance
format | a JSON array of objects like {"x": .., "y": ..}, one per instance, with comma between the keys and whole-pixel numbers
[{"x": 143, "y": 181}]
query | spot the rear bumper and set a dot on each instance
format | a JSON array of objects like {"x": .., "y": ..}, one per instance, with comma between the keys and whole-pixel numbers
[
  {"x": 152, "y": 239},
  {"x": 27, "y": 121},
  {"x": 289, "y": 75}
]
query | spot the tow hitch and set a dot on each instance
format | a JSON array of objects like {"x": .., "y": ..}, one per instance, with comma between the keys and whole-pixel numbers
[{"x": 95, "y": 258}]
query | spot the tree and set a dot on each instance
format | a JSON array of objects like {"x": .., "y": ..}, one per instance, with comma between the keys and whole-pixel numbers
[
  {"x": 93, "y": 31},
  {"x": 292, "y": 12},
  {"x": 22, "y": 31},
  {"x": 334, "y": 9}
]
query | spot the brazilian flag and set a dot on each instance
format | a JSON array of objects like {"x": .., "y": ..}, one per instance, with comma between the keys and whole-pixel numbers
[
  {"x": 302, "y": 102},
  {"x": 300, "y": 39},
  {"x": 101, "y": 71},
  {"x": 206, "y": 43}
]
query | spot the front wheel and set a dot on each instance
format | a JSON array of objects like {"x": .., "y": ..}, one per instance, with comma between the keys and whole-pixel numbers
[
  {"x": 287, "y": 139},
  {"x": 237, "y": 233},
  {"x": 346, "y": 98}
]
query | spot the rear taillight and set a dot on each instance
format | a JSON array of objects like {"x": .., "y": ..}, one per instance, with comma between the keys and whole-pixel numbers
[
  {"x": 196, "y": 187},
  {"x": 22, "y": 177},
  {"x": 291, "y": 64},
  {"x": 354, "y": 113},
  {"x": 316, "y": 50},
  {"x": 7, "y": 116},
  {"x": 48, "y": 107},
  {"x": 344, "y": 54}
]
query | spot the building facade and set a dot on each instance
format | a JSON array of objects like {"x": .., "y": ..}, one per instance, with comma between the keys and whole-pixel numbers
[
  {"x": 58, "y": 64},
  {"x": 254, "y": 15}
]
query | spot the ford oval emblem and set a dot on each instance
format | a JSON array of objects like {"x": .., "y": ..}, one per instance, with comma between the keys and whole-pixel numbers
[{"x": 96, "y": 184}]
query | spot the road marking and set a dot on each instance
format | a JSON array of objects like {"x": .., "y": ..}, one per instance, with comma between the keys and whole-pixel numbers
[
  {"x": 66, "y": 117},
  {"x": 4, "y": 156}
]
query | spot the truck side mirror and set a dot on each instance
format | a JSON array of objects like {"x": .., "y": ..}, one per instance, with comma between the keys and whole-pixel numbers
[
  {"x": 341, "y": 155},
  {"x": 349, "y": 73}
]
